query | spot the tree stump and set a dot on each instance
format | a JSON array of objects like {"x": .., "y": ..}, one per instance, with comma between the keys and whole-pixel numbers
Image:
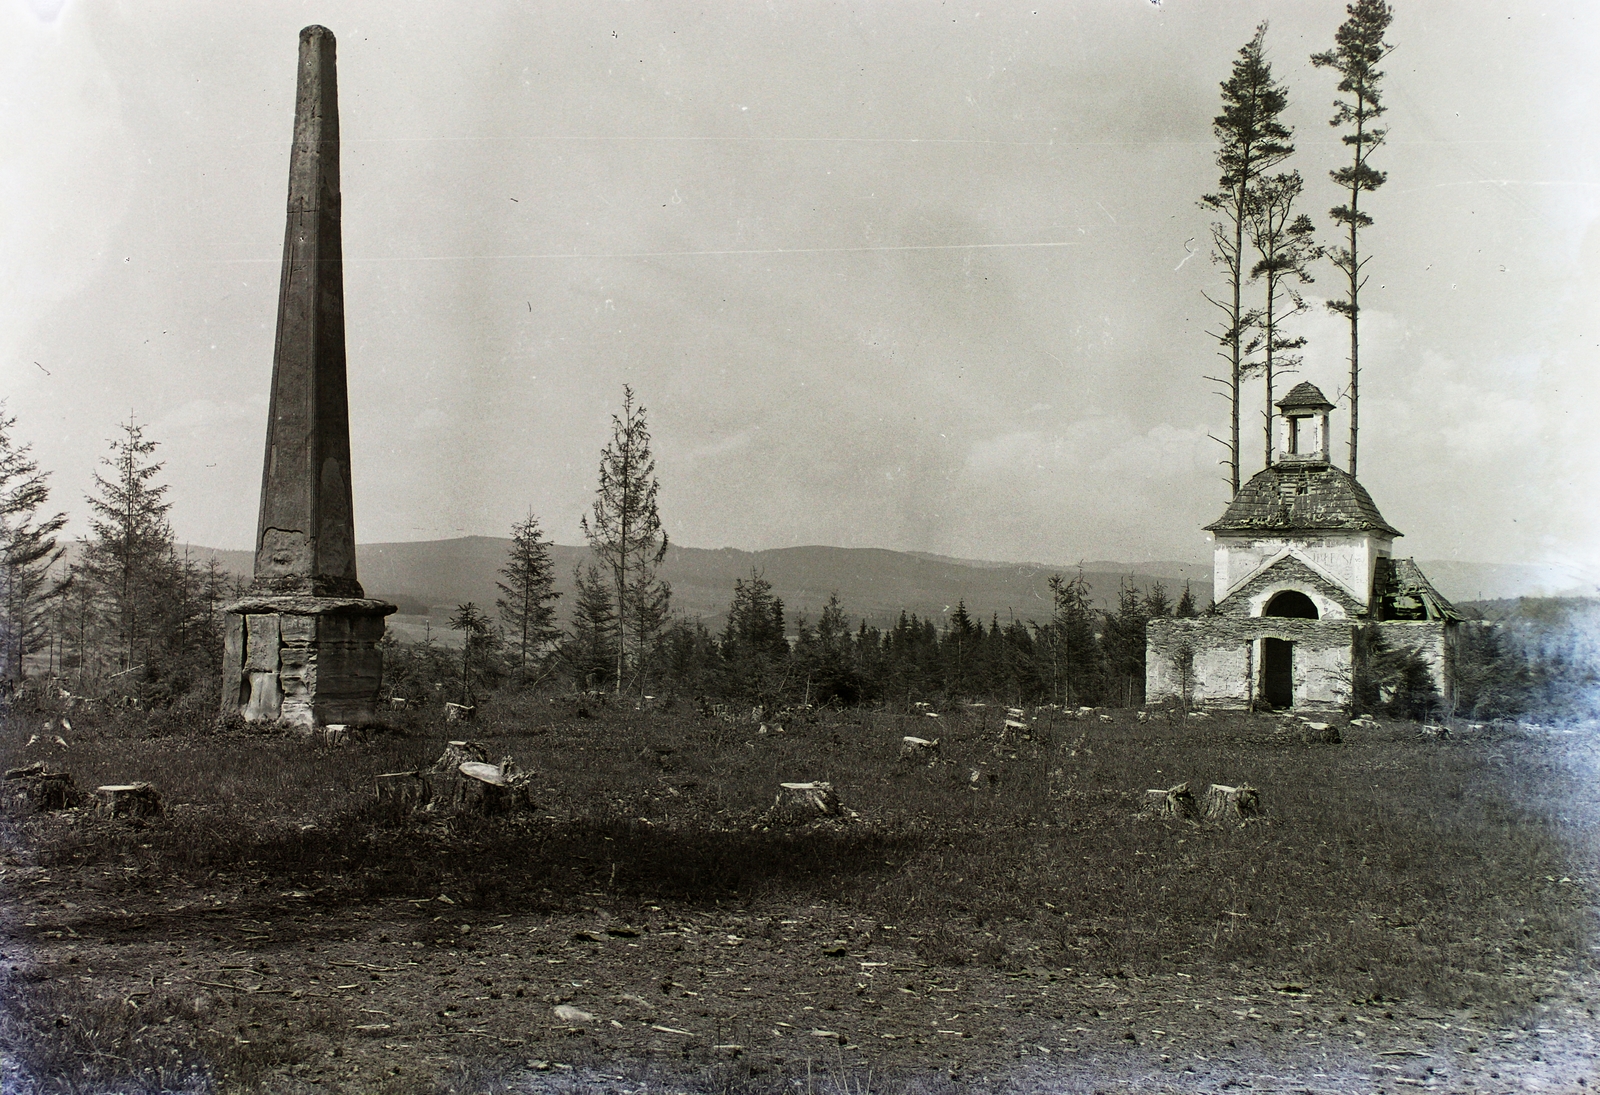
[
  {"x": 478, "y": 788},
  {"x": 1226, "y": 804},
  {"x": 802, "y": 802},
  {"x": 1320, "y": 733},
  {"x": 457, "y": 753},
  {"x": 128, "y": 800},
  {"x": 409, "y": 789},
  {"x": 1171, "y": 802},
  {"x": 919, "y": 749},
  {"x": 33, "y": 790},
  {"x": 459, "y": 712}
]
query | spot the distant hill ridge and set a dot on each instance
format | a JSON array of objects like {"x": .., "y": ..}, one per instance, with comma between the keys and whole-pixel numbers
[{"x": 431, "y": 577}]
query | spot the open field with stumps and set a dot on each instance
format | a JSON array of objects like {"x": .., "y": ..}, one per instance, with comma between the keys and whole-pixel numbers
[{"x": 1409, "y": 912}]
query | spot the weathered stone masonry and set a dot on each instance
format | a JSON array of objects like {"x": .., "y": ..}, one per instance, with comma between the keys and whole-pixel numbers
[{"x": 302, "y": 646}]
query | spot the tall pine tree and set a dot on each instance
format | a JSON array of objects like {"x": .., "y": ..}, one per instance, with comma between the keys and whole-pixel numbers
[
  {"x": 1251, "y": 142},
  {"x": 627, "y": 538},
  {"x": 1285, "y": 246},
  {"x": 1358, "y": 48}
]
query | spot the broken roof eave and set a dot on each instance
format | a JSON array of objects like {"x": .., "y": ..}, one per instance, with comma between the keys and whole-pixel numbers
[{"x": 1299, "y": 526}]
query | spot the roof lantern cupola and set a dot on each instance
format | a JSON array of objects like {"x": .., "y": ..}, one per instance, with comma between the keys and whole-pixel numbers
[{"x": 1305, "y": 418}]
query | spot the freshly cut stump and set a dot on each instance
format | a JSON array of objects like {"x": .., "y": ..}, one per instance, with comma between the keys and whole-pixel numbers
[
  {"x": 1224, "y": 803},
  {"x": 801, "y": 802},
  {"x": 457, "y": 753},
  {"x": 477, "y": 787},
  {"x": 919, "y": 749},
  {"x": 1174, "y": 802},
  {"x": 459, "y": 712},
  {"x": 128, "y": 800},
  {"x": 1321, "y": 733}
]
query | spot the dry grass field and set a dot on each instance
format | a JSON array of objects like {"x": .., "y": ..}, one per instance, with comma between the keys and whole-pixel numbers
[{"x": 1411, "y": 912}]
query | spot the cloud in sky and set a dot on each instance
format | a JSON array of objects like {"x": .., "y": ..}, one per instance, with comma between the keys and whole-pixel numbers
[{"x": 884, "y": 276}]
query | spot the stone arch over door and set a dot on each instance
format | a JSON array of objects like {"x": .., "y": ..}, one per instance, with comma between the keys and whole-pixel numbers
[{"x": 1291, "y": 604}]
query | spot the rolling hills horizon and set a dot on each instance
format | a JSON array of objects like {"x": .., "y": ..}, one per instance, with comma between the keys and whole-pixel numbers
[{"x": 429, "y": 578}]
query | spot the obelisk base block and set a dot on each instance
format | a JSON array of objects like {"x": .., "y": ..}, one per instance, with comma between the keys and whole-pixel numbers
[{"x": 303, "y": 661}]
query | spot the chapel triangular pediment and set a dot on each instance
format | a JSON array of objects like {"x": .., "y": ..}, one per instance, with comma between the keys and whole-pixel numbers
[{"x": 1288, "y": 570}]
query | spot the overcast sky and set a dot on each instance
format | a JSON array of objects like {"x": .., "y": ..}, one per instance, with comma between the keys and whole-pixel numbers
[{"x": 908, "y": 275}]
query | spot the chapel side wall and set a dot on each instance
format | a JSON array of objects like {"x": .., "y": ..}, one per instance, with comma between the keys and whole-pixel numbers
[{"x": 1225, "y": 657}]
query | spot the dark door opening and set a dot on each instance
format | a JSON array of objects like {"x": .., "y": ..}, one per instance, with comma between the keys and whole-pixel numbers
[{"x": 1277, "y": 672}]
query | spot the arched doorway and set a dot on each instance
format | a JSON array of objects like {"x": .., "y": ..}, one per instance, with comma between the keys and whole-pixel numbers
[{"x": 1277, "y": 655}]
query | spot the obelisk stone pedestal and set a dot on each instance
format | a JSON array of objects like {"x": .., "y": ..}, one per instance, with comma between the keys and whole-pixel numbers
[{"x": 302, "y": 646}]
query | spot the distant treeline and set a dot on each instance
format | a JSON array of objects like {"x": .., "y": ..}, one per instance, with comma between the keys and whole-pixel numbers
[{"x": 1079, "y": 656}]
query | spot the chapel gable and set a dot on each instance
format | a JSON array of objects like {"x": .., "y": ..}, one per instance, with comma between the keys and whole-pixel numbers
[{"x": 1320, "y": 598}]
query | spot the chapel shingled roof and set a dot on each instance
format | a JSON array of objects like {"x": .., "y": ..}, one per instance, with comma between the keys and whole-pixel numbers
[
  {"x": 1305, "y": 394},
  {"x": 1302, "y": 497}
]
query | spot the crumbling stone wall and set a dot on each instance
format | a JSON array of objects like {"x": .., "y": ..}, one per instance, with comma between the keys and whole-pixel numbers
[
  {"x": 1216, "y": 660},
  {"x": 305, "y": 669}
]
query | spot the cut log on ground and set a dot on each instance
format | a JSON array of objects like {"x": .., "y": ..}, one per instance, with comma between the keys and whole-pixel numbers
[
  {"x": 1172, "y": 802},
  {"x": 33, "y": 790},
  {"x": 128, "y": 800},
  {"x": 1224, "y": 803},
  {"x": 919, "y": 749},
  {"x": 405, "y": 788},
  {"x": 457, "y": 753},
  {"x": 801, "y": 802}
]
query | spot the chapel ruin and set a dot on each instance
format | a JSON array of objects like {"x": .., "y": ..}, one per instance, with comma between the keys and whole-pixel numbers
[
  {"x": 302, "y": 645},
  {"x": 1303, "y": 563}
]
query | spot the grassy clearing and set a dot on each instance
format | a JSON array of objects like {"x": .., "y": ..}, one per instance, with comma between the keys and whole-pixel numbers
[{"x": 1390, "y": 867}]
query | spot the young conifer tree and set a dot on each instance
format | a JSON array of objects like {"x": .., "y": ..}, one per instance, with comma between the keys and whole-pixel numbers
[
  {"x": 627, "y": 539},
  {"x": 1251, "y": 142},
  {"x": 1358, "y": 48},
  {"x": 528, "y": 606},
  {"x": 590, "y": 650},
  {"x": 128, "y": 559},
  {"x": 28, "y": 554},
  {"x": 477, "y": 641}
]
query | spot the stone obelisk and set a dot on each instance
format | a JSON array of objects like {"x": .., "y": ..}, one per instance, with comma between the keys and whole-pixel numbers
[{"x": 301, "y": 647}]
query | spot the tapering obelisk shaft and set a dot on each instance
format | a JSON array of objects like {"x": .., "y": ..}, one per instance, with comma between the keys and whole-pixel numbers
[
  {"x": 302, "y": 646},
  {"x": 305, "y": 538}
]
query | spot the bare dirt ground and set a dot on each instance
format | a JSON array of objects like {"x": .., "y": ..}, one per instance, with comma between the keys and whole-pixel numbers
[{"x": 129, "y": 966}]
